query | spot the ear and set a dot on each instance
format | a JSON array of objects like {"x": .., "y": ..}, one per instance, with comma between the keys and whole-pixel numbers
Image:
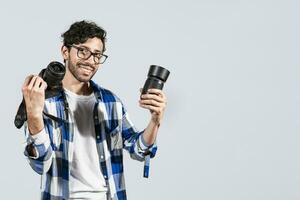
[{"x": 65, "y": 52}]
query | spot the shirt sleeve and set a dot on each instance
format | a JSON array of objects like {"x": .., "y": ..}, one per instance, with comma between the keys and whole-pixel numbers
[
  {"x": 40, "y": 144},
  {"x": 136, "y": 146}
]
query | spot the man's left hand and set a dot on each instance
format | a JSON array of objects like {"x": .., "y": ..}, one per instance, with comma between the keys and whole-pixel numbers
[{"x": 155, "y": 101}]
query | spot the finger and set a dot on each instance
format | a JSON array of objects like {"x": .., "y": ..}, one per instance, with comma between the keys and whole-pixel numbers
[
  {"x": 28, "y": 87},
  {"x": 151, "y": 108},
  {"x": 31, "y": 83},
  {"x": 157, "y": 92},
  {"x": 44, "y": 85},
  {"x": 151, "y": 102},
  {"x": 25, "y": 85},
  {"x": 38, "y": 83},
  {"x": 153, "y": 96},
  {"x": 27, "y": 80}
]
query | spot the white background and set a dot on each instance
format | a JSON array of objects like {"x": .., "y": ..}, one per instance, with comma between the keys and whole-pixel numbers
[{"x": 231, "y": 128}]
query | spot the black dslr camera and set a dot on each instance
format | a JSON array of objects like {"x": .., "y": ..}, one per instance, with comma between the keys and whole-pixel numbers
[{"x": 53, "y": 76}]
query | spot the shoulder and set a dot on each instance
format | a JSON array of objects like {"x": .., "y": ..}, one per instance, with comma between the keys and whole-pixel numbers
[
  {"x": 106, "y": 95},
  {"x": 109, "y": 96}
]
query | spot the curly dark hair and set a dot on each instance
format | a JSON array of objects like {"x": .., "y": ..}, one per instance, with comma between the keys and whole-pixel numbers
[{"x": 81, "y": 31}]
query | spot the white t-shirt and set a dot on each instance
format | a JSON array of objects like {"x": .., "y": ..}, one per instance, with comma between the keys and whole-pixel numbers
[{"x": 86, "y": 180}]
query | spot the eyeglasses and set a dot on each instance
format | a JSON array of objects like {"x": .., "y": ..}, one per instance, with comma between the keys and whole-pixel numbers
[{"x": 84, "y": 53}]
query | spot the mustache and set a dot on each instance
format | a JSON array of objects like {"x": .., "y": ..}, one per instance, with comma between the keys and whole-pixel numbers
[{"x": 85, "y": 64}]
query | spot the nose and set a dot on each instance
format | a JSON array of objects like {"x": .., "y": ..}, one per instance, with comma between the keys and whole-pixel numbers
[{"x": 90, "y": 60}]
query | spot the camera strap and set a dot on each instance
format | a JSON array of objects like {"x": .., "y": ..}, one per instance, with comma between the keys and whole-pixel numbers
[{"x": 66, "y": 110}]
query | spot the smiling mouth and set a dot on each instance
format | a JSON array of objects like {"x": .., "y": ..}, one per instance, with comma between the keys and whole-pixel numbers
[{"x": 86, "y": 69}]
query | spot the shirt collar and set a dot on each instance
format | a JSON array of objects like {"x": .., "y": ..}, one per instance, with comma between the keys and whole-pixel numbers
[{"x": 96, "y": 89}]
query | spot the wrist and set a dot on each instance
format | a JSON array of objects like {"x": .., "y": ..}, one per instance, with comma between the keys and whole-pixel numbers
[
  {"x": 155, "y": 121},
  {"x": 35, "y": 123},
  {"x": 34, "y": 116}
]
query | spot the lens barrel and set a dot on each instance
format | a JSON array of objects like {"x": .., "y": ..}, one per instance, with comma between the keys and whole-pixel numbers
[
  {"x": 54, "y": 73},
  {"x": 157, "y": 76}
]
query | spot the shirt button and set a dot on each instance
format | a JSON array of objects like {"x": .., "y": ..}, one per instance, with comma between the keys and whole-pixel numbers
[
  {"x": 101, "y": 156},
  {"x": 105, "y": 176},
  {"x": 98, "y": 137}
]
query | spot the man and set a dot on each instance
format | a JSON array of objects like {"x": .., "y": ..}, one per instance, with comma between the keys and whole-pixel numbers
[{"x": 80, "y": 156}]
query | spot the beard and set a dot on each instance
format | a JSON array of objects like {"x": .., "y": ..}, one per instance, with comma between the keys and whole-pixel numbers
[{"x": 82, "y": 71}]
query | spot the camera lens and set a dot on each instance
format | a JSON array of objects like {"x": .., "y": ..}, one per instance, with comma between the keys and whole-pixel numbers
[
  {"x": 54, "y": 73},
  {"x": 157, "y": 76}
]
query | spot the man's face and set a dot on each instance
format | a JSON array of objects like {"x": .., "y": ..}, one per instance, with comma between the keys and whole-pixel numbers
[{"x": 83, "y": 69}]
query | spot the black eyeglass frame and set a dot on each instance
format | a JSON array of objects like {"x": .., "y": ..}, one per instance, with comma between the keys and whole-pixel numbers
[{"x": 90, "y": 54}]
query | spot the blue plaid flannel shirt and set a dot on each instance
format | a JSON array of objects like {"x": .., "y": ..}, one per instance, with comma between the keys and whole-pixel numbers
[{"x": 114, "y": 132}]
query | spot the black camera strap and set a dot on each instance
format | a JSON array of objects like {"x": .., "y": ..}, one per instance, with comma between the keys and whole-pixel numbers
[{"x": 66, "y": 110}]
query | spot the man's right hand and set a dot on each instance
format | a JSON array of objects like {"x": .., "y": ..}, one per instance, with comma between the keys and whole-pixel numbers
[{"x": 33, "y": 91}]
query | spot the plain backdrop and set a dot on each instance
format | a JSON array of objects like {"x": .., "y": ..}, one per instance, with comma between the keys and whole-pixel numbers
[{"x": 231, "y": 128}]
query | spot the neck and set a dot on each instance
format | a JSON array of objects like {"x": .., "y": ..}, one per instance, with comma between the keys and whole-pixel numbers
[{"x": 75, "y": 86}]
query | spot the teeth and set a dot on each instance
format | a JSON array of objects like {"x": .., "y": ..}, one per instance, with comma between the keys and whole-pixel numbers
[{"x": 86, "y": 68}]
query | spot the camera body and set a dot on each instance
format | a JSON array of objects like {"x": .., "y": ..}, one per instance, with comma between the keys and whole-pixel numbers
[{"x": 53, "y": 75}]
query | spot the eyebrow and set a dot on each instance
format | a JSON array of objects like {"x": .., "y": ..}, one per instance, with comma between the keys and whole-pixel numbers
[{"x": 96, "y": 50}]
